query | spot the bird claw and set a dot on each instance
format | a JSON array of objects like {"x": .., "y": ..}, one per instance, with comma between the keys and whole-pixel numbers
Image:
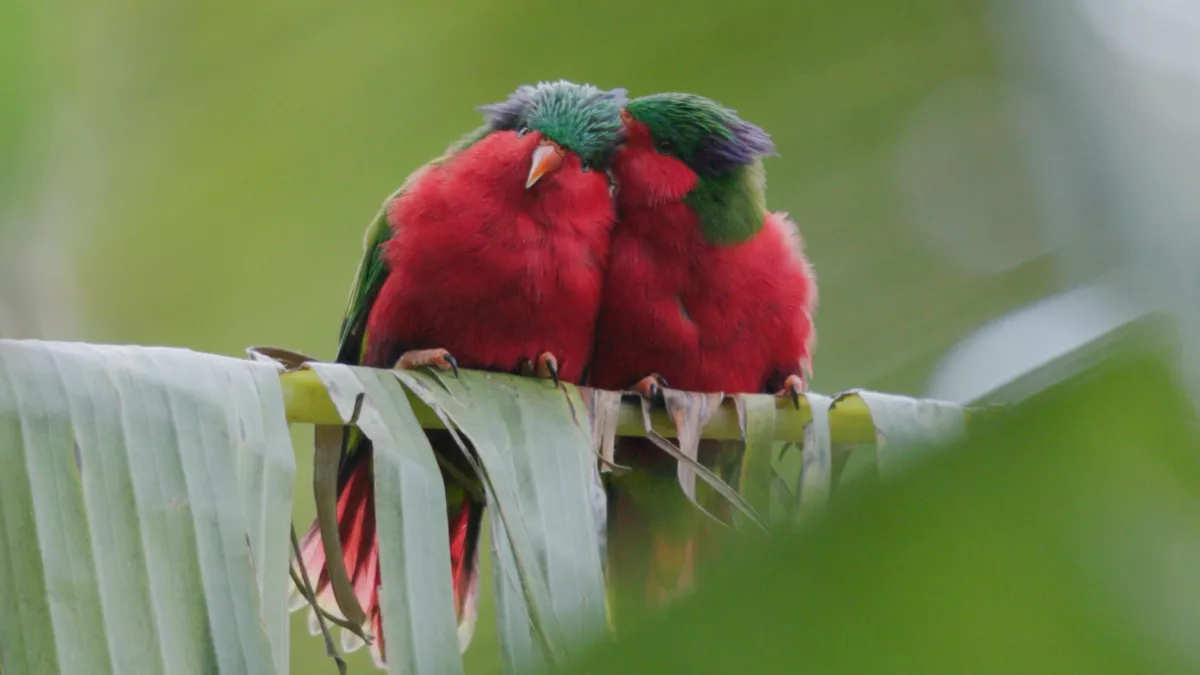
[
  {"x": 651, "y": 386},
  {"x": 547, "y": 367},
  {"x": 793, "y": 386},
  {"x": 433, "y": 358}
]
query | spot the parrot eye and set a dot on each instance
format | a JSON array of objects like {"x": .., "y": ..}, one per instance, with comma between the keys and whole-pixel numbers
[
  {"x": 585, "y": 166},
  {"x": 522, "y": 130},
  {"x": 663, "y": 147}
]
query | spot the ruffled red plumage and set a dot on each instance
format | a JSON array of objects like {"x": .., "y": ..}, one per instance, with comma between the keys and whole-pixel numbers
[
  {"x": 706, "y": 317},
  {"x": 491, "y": 271},
  {"x": 494, "y": 273},
  {"x": 733, "y": 318}
]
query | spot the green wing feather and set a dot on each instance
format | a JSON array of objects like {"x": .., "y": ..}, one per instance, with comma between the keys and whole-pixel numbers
[
  {"x": 352, "y": 342},
  {"x": 372, "y": 272}
]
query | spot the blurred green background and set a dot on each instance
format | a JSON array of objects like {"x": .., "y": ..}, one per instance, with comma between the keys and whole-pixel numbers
[{"x": 200, "y": 173}]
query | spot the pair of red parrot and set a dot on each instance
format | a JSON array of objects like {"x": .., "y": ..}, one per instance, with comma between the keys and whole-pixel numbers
[{"x": 584, "y": 237}]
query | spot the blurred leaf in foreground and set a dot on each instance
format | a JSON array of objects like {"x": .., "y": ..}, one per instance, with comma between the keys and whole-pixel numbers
[{"x": 1062, "y": 537}]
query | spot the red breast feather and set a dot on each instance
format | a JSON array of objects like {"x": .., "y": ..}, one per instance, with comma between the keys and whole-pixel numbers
[
  {"x": 706, "y": 317},
  {"x": 491, "y": 271}
]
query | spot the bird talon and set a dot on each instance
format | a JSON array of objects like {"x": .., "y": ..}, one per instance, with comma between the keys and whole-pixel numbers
[
  {"x": 547, "y": 367},
  {"x": 650, "y": 387},
  {"x": 793, "y": 386},
  {"x": 433, "y": 358}
]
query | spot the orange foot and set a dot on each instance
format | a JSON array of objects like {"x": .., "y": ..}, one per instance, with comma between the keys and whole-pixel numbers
[
  {"x": 651, "y": 386},
  {"x": 793, "y": 386},
  {"x": 420, "y": 358},
  {"x": 545, "y": 368}
]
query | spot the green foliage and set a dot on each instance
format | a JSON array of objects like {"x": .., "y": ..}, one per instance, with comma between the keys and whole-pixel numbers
[
  {"x": 144, "y": 511},
  {"x": 540, "y": 475},
  {"x": 144, "y": 515},
  {"x": 417, "y": 600},
  {"x": 1061, "y": 538}
]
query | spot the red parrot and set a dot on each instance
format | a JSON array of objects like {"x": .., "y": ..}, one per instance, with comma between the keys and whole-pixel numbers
[
  {"x": 490, "y": 257},
  {"x": 706, "y": 290}
]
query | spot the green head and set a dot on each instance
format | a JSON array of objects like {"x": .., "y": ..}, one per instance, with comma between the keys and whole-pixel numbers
[
  {"x": 723, "y": 150},
  {"x": 710, "y": 138},
  {"x": 582, "y": 119}
]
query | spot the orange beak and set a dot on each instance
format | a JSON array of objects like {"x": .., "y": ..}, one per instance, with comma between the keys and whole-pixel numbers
[{"x": 546, "y": 158}]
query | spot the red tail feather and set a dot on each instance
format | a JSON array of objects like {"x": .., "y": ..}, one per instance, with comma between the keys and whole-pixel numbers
[
  {"x": 360, "y": 549},
  {"x": 464, "y": 566},
  {"x": 360, "y": 553},
  {"x": 459, "y": 569}
]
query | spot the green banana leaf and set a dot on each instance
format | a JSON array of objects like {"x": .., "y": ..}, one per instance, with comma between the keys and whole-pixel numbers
[
  {"x": 417, "y": 597},
  {"x": 146, "y": 502},
  {"x": 143, "y": 506},
  {"x": 534, "y": 446}
]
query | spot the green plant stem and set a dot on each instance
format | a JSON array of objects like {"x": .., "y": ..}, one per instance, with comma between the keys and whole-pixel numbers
[{"x": 307, "y": 402}]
